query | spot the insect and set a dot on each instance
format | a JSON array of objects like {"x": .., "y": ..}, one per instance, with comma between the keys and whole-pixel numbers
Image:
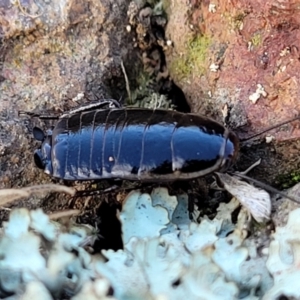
[
  {"x": 92, "y": 142},
  {"x": 134, "y": 144}
]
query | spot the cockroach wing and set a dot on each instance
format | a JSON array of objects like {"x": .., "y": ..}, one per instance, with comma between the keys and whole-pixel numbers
[{"x": 255, "y": 200}]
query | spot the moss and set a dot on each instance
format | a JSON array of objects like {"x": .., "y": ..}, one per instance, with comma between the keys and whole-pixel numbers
[
  {"x": 139, "y": 87},
  {"x": 289, "y": 180},
  {"x": 142, "y": 92},
  {"x": 193, "y": 60},
  {"x": 256, "y": 39}
]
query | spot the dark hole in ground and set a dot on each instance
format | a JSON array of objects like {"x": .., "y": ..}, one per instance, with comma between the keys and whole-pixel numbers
[{"x": 110, "y": 228}]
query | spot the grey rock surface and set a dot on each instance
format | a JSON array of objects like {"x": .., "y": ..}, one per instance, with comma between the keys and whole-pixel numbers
[{"x": 54, "y": 56}]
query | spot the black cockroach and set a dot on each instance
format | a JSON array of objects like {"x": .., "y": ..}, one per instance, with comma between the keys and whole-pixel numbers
[
  {"x": 92, "y": 143},
  {"x": 134, "y": 144}
]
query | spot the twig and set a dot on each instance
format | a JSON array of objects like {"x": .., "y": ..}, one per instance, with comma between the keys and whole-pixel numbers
[{"x": 126, "y": 81}]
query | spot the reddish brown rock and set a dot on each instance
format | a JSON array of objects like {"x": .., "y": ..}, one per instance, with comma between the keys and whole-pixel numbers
[
  {"x": 250, "y": 42},
  {"x": 253, "y": 43}
]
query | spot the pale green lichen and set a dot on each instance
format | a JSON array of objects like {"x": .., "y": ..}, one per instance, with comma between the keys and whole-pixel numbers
[
  {"x": 284, "y": 259},
  {"x": 158, "y": 6},
  {"x": 144, "y": 96},
  {"x": 195, "y": 261}
]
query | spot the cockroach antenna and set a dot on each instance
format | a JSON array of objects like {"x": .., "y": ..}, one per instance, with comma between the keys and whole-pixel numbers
[
  {"x": 258, "y": 183},
  {"x": 264, "y": 186},
  {"x": 270, "y": 128}
]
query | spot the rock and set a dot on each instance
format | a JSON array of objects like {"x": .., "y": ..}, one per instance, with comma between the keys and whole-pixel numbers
[
  {"x": 252, "y": 44},
  {"x": 50, "y": 54}
]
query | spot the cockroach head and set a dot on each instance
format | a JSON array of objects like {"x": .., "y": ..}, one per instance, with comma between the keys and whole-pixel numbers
[{"x": 42, "y": 156}]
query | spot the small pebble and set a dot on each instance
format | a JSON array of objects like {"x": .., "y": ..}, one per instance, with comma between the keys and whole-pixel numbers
[
  {"x": 212, "y": 8},
  {"x": 214, "y": 67},
  {"x": 269, "y": 139}
]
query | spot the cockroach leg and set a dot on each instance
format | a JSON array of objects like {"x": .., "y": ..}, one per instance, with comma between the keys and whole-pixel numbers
[{"x": 257, "y": 163}]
